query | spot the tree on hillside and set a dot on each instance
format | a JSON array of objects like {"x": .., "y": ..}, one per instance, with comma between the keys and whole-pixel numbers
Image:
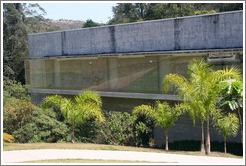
[
  {"x": 90, "y": 23},
  {"x": 19, "y": 19},
  {"x": 133, "y": 12},
  {"x": 14, "y": 42},
  {"x": 200, "y": 90}
]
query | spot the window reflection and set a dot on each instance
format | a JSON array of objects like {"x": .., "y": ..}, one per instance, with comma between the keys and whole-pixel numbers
[{"x": 138, "y": 73}]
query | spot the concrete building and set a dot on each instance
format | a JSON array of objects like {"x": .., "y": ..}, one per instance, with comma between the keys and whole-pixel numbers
[{"x": 126, "y": 63}]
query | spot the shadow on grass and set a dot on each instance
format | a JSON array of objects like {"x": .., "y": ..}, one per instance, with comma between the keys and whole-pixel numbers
[{"x": 187, "y": 145}]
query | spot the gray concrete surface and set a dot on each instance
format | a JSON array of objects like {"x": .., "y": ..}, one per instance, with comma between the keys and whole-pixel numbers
[
  {"x": 45, "y": 154},
  {"x": 210, "y": 31},
  {"x": 108, "y": 94}
]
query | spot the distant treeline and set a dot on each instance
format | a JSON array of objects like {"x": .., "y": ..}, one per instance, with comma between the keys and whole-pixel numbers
[{"x": 62, "y": 19}]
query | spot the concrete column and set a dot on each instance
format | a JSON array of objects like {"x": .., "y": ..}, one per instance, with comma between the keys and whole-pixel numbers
[
  {"x": 112, "y": 74},
  {"x": 57, "y": 74}
]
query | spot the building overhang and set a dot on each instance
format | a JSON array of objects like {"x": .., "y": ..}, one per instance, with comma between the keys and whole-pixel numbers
[
  {"x": 146, "y": 53},
  {"x": 109, "y": 94}
]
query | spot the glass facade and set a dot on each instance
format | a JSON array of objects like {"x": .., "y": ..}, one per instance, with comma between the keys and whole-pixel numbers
[{"x": 128, "y": 73}]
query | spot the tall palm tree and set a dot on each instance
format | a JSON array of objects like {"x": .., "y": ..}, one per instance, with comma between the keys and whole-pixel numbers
[{"x": 200, "y": 91}]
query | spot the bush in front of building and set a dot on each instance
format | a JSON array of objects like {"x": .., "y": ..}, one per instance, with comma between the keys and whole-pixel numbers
[
  {"x": 117, "y": 129},
  {"x": 144, "y": 124},
  {"x": 42, "y": 127},
  {"x": 16, "y": 113}
]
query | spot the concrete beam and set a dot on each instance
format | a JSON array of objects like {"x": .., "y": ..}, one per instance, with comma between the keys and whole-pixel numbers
[
  {"x": 174, "y": 53},
  {"x": 109, "y": 94}
]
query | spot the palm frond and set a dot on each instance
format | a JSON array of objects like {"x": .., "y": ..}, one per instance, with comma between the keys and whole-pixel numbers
[
  {"x": 227, "y": 74},
  {"x": 53, "y": 101},
  {"x": 228, "y": 125},
  {"x": 174, "y": 80},
  {"x": 89, "y": 96}
]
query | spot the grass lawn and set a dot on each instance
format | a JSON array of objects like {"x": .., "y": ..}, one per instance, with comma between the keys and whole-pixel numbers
[
  {"x": 85, "y": 161},
  {"x": 90, "y": 146}
]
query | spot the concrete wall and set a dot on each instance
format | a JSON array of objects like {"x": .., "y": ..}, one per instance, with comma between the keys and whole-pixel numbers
[{"x": 211, "y": 31}]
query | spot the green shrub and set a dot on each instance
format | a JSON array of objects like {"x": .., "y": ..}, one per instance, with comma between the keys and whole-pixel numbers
[
  {"x": 144, "y": 125},
  {"x": 16, "y": 113},
  {"x": 117, "y": 129},
  {"x": 43, "y": 127},
  {"x": 87, "y": 132},
  {"x": 13, "y": 89}
]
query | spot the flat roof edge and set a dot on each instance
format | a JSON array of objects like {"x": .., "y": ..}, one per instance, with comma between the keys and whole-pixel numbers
[
  {"x": 137, "y": 53},
  {"x": 109, "y": 94},
  {"x": 148, "y": 21}
]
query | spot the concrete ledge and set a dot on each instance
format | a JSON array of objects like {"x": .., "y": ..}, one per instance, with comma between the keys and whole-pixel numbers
[
  {"x": 174, "y": 53},
  {"x": 109, "y": 94}
]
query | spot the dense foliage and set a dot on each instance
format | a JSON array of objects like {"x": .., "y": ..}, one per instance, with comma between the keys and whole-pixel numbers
[
  {"x": 85, "y": 107},
  {"x": 90, "y": 23},
  {"x": 42, "y": 127},
  {"x": 16, "y": 114},
  {"x": 144, "y": 124},
  {"x": 7, "y": 138},
  {"x": 133, "y": 12},
  {"x": 19, "y": 19},
  {"x": 117, "y": 129}
]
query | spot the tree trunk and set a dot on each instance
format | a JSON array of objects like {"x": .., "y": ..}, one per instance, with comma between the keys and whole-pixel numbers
[
  {"x": 225, "y": 144},
  {"x": 72, "y": 138},
  {"x": 241, "y": 124},
  {"x": 207, "y": 149},
  {"x": 166, "y": 140},
  {"x": 202, "y": 134}
]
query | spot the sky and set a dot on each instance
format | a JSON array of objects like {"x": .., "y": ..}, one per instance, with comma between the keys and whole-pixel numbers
[{"x": 99, "y": 12}]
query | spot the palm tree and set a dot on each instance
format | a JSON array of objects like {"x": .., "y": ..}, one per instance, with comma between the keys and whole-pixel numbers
[
  {"x": 200, "y": 91},
  {"x": 227, "y": 126},
  {"x": 85, "y": 106},
  {"x": 232, "y": 91},
  {"x": 165, "y": 117}
]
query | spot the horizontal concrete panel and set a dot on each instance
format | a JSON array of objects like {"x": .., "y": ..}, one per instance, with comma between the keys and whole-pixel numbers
[
  {"x": 109, "y": 94},
  {"x": 211, "y": 31}
]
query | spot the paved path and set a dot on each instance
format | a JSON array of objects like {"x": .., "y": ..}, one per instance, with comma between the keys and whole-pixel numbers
[{"x": 44, "y": 154}]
